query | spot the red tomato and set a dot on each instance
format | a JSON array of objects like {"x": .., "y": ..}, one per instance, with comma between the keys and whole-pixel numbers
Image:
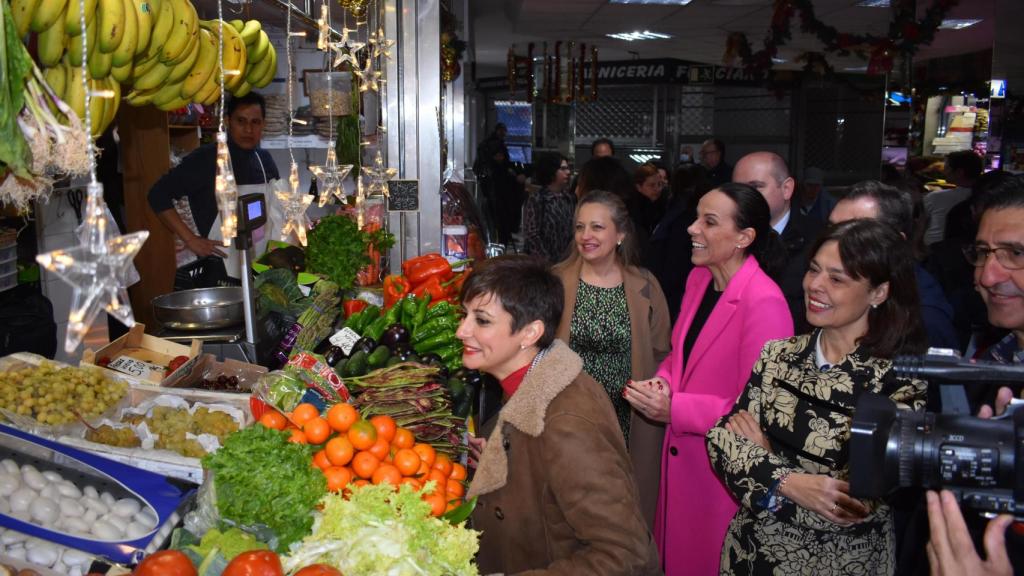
[
  {"x": 319, "y": 570},
  {"x": 255, "y": 563},
  {"x": 165, "y": 563}
]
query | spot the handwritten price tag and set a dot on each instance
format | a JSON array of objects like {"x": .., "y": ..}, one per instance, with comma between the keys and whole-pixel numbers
[
  {"x": 345, "y": 339},
  {"x": 133, "y": 367}
]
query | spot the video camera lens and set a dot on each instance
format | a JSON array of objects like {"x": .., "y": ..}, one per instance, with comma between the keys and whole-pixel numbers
[{"x": 981, "y": 461}]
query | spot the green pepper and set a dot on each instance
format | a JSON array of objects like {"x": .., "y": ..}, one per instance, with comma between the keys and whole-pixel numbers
[
  {"x": 393, "y": 314},
  {"x": 376, "y": 328},
  {"x": 421, "y": 313},
  {"x": 409, "y": 306},
  {"x": 355, "y": 319},
  {"x": 364, "y": 318},
  {"x": 452, "y": 351},
  {"x": 442, "y": 308},
  {"x": 434, "y": 342},
  {"x": 434, "y": 327}
]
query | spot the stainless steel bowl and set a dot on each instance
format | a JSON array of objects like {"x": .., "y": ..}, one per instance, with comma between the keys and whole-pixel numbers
[{"x": 200, "y": 309}]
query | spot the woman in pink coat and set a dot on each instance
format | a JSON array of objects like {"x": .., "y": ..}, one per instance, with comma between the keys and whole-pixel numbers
[{"x": 730, "y": 309}]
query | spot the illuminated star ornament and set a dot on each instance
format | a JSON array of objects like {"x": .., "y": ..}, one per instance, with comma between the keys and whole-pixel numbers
[
  {"x": 330, "y": 176},
  {"x": 96, "y": 270},
  {"x": 324, "y": 40},
  {"x": 346, "y": 48},
  {"x": 380, "y": 43},
  {"x": 295, "y": 205},
  {"x": 377, "y": 176},
  {"x": 226, "y": 190},
  {"x": 369, "y": 76}
]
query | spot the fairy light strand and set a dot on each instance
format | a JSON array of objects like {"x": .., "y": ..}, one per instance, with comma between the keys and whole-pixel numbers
[
  {"x": 220, "y": 60},
  {"x": 89, "y": 149}
]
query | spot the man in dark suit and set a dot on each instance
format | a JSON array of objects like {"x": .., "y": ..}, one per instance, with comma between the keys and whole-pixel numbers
[
  {"x": 767, "y": 172},
  {"x": 712, "y": 157}
]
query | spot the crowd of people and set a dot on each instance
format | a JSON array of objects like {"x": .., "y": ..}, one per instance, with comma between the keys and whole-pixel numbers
[{"x": 680, "y": 359}]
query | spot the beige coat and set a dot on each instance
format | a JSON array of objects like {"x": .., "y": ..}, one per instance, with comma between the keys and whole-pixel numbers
[
  {"x": 555, "y": 485},
  {"x": 650, "y": 331}
]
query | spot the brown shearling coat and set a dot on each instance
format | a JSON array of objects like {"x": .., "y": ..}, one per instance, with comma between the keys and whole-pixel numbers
[
  {"x": 650, "y": 342},
  {"x": 555, "y": 484}
]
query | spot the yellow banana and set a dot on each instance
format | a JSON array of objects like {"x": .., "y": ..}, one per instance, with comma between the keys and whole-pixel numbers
[
  {"x": 235, "y": 57},
  {"x": 146, "y": 18},
  {"x": 259, "y": 70},
  {"x": 140, "y": 97},
  {"x": 97, "y": 108},
  {"x": 74, "y": 94},
  {"x": 185, "y": 19},
  {"x": 50, "y": 44},
  {"x": 161, "y": 29},
  {"x": 268, "y": 77},
  {"x": 154, "y": 77},
  {"x": 22, "y": 12},
  {"x": 56, "y": 79},
  {"x": 237, "y": 24},
  {"x": 183, "y": 68},
  {"x": 243, "y": 89},
  {"x": 100, "y": 64},
  {"x": 73, "y": 17},
  {"x": 112, "y": 104},
  {"x": 122, "y": 74},
  {"x": 47, "y": 12},
  {"x": 258, "y": 51},
  {"x": 173, "y": 105},
  {"x": 125, "y": 51},
  {"x": 251, "y": 31},
  {"x": 166, "y": 94},
  {"x": 212, "y": 98},
  {"x": 193, "y": 41},
  {"x": 154, "y": 8},
  {"x": 110, "y": 31},
  {"x": 75, "y": 44},
  {"x": 210, "y": 93},
  {"x": 204, "y": 67}
]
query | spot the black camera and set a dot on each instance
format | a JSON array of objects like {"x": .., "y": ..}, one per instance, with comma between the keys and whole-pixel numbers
[{"x": 980, "y": 460}]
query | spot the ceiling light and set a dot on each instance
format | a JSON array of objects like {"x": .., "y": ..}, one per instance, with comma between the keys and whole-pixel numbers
[
  {"x": 958, "y": 23},
  {"x": 645, "y": 156},
  {"x": 653, "y": 2},
  {"x": 778, "y": 60},
  {"x": 874, "y": 3},
  {"x": 856, "y": 69},
  {"x": 645, "y": 35}
]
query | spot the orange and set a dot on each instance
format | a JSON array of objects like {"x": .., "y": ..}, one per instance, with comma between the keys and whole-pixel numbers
[
  {"x": 380, "y": 449},
  {"x": 342, "y": 416},
  {"x": 458, "y": 472},
  {"x": 385, "y": 426},
  {"x": 442, "y": 462},
  {"x": 273, "y": 420},
  {"x": 321, "y": 460},
  {"x": 362, "y": 435},
  {"x": 360, "y": 482},
  {"x": 387, "y": 474},
  {"x": 316, "y": 430},
  {"x": 297, "y": 437},
  {"x": 416, "y": 485},
  {"x": 426, "y": 452},
  {"x": 455, "y": 488},
  {"x": 337, "y": 478},
  {"x": 339, "y": 451},
  {"x": 423, "y": 470},
  {"x": 403, "y": 438},
  {"x": 407, "y": 461},
  {"x": 437, "y": 502},
  {"x": 364, "y": 464},
  {"x": 440, "y": 482},
  {"x": 303, "y": 413}
]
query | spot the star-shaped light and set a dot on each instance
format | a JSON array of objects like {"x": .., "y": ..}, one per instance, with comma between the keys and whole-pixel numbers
[
  {"x": 380, "y": 43},
  {"x": 369, "y": 76},
  {"x": 226, "y": 190},
  {"x": 295, "y": 205},
  {"x": 331, "y": 176},
  {"x": 323, "y": 25},
  {"x": 346, "y": 48},
  {"x": 376, "y": 176},
  {"x": 97, "y": 279}
]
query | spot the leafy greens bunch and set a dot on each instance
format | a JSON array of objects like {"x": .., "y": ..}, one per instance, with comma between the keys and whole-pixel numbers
[{"x": 338, "y": 249}]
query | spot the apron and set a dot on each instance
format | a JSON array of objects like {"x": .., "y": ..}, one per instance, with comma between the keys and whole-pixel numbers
[{"x": 260, "y": 237}]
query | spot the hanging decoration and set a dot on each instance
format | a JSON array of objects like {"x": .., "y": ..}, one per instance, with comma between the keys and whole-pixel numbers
[
  {"x": 377, "y": 176},
  {"x": 381, "y": 44},
  {"x": 347, "y": 48},
  {"x": 906, "y": 35},
  {"x": 330, "y": 174},
  {"x": 356, "y": 7},
  {"x": 100, "y": 268},
  {"x": 452, "y": 47},
  {"x": 562, "y": 81},
  {"x": 294, "y": 201}
]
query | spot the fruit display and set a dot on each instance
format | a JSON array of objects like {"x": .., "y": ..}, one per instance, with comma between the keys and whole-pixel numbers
[
  {"x": 160, "y": 50},
  {"x": 54, "y": 395}
]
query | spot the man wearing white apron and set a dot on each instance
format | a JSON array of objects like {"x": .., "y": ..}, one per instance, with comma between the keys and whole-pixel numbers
[{"x": 184, "y": 198}]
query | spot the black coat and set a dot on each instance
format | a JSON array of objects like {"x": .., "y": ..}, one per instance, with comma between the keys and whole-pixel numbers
[
  {"x": 668, "y": 254},
  {"x": 799, "y": 236}
]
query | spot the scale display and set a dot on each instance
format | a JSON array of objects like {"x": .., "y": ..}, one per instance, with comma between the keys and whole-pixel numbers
[{"x": 252, "y": 209}]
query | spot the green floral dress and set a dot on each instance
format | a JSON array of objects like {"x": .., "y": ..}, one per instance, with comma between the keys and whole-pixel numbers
[{"x": 600, "y": 335}]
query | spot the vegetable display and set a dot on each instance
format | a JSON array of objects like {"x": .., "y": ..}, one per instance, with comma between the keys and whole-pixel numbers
[
  {"x": 337, "y": 248},
  {"x": 261, "y": 478},
  {"x": 380, "y": 531}
]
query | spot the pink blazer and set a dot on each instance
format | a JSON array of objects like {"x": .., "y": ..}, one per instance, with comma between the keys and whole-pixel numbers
[{"x": 694, "y": 507}]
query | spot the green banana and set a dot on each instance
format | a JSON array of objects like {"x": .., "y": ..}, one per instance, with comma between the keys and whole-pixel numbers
[
  {"x": 75, "y": 44},
  {"x": 56, "y": 78},
  {"x": 251, "y": 32},
  {"x": 243, "y": 89},
  {"x": 50, "y": 44},
  {"x": 166, "y": 94},
  {"x": 237, "y": 24},
  {"x": 154, "y": 77},
  {"x": 268, "y": 77},
  {"x": 100, "y": 64},
  {"x": 161, "y": 29},
  {"x": 122, "y": 74},
  {"x": 258, "y": 51},
  {"x": 111, "y": 27},
  {"x": 173, "y": 105},
  {"x": 258, "y": 70}
]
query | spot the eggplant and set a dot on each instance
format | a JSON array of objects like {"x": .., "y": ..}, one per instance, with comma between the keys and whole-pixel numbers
[
  {"x": 366, "y": 344},
  {"x": 434, "y": 361},
  {"x": 394, "y": 335},
  {"x": 322, "y": 347},
  {"x": 334, "y": 355}
]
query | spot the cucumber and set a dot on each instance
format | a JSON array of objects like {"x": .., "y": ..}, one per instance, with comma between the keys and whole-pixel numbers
[
  {"x": 378, "y": 357},
  {"x": 356, "y": 365}
]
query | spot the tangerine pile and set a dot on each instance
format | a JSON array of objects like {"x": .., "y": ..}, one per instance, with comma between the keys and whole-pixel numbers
[{"x": 357, "y": 451}]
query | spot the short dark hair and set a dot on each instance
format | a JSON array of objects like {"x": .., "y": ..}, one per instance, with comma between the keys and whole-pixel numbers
[
  {"x": 545, "y": 166},
  {"x": 598, "y": 142},
  {"x": 967, "y": 162},
  {"x": 605, "y": 173},
  {"x": 525, "y": 287},
  {"x": 1008, "y": 194},
  {"x": 718, "y": 144},
  {"x": 689, "y": 183},
  {"x": 234, "y": 102},
  {"x": 752, "y": 211},
  {"x": 875, "y": 251},
  {"x": 643, "y": 172},
  {"x": 895, "y": 208}
]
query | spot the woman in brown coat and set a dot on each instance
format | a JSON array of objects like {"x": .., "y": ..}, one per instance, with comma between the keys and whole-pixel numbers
[
  {"x": 554, "y": 481},
  {"x": 616, "y": 319}
]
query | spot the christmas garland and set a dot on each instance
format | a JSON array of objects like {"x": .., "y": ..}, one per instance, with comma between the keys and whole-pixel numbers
[{"x": 906, "y": 35}]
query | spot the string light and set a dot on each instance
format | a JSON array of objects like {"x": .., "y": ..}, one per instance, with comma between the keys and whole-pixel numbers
[
  {"x": 225, "y": 187},
  {"x": 294, "y": 202},
  {"x": 330, "y": 174}
]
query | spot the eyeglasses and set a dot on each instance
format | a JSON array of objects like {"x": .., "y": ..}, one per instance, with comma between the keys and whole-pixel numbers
[
  {"x": 1010, "y": 257},
  {"x": 566, "y": 168}
]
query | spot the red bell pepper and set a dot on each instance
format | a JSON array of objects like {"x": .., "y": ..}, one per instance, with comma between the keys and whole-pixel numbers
[
  {"x": 431, "y": 287},
  {"x": 442, "y": 269},
  {"x": 396, "y": 287},
  {"x": 411, "y": 263},
  {"x": 454, "y": 286},
  {"x": 350, "y": 307}
]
